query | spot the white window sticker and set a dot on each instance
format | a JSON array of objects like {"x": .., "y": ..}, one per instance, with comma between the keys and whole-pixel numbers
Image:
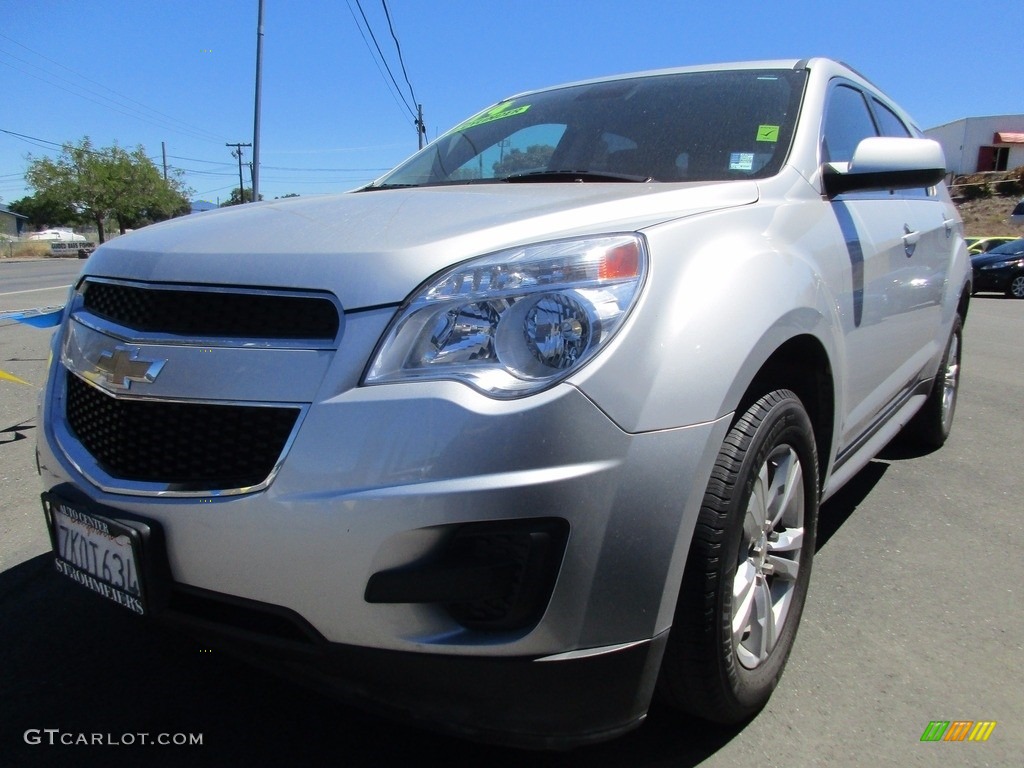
[{"x": 741, "y": 161}]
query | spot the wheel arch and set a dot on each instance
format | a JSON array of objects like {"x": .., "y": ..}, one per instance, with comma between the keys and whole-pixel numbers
[
  {"x": 964, "y": 302},
  {"x": 800, "y": 364}
]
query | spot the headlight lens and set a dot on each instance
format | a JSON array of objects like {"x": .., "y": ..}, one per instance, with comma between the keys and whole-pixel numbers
[
  {"x": 1006, "y": 264},
  {"x": 517, "y": 321}
]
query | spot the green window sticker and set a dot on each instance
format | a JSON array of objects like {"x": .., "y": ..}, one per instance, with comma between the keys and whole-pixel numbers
[
  {"x": 767, "y": 133},
  {"x": 495, "y": 113}
]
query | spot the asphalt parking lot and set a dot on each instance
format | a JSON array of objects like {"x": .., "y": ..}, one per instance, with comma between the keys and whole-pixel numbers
[{"x": 914, "y": 616}]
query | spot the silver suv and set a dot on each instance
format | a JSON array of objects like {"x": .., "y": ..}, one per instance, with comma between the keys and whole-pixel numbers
[{"x": 532, "y": 425}]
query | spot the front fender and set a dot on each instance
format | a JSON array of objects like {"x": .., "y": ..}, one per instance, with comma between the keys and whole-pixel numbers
[{"x": 717, "y": 305}]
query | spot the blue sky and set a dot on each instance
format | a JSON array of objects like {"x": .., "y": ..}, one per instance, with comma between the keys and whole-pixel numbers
[{"x": 182, "y": 72}]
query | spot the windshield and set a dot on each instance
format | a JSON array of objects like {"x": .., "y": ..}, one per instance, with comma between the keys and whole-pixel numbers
[
  {"x": 1010, "y": 249},
  {"x": 696, "y": 126}
]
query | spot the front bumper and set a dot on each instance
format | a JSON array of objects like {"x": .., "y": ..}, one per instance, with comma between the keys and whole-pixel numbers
[{"x": 377, "y": 476}]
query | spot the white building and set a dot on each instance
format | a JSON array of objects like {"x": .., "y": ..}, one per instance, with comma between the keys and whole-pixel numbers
[{"x": 980, "y": 144}]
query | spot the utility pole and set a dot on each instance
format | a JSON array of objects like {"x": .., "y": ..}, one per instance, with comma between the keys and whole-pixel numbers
[
  {"x": 238, "y": 153},
  {"x": 163, "y": 146},
  {"x": 421, "y": 127},
  {"x": 256, "y": 117}
]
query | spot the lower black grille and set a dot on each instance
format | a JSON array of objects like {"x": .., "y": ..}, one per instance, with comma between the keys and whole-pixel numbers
[{"x": 194, "y": 447}]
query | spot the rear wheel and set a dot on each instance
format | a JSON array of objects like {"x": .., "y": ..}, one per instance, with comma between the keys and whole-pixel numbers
[
  {"x": 747, "y": 572},
  {"x": 930, "y": 428}
]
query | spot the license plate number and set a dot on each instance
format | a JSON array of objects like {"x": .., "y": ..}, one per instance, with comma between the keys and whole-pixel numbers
[{"x": 97, "y": 553}]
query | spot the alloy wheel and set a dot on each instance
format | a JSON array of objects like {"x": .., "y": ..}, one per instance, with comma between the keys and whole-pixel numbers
[{"x": 769, "y": 557}]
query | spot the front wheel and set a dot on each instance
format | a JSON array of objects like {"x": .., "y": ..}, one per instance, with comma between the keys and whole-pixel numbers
[
  {"x": 749, "y": 565},
  {"x": 1016, "y": 288}
]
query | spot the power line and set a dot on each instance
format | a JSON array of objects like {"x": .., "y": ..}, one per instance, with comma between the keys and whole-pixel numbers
[
  {"x": 332, "y": 150},
  {"x": 203, "y": 173},
  {"x": 421, "y": 127},
  {"x": 376, "y": 63},
  {"x": 32, "y": 139},
  {"x": 209, "y": 191},
  {"x": 220, "y": 169},
  {"x": 327, "y": 170},
  {"x": 191, "y": 129},
  {"x": 382, "y": 59},
  {"x": 41, "y": 142},
  {"x": 398, "y": 48},
  {"x": 274, "y": 167},
  {"x": 112, "y": 105},
  {"x": 197, "y": 160}
]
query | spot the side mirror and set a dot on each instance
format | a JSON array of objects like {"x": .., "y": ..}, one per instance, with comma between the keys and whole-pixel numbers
[{"x": 887, "y": 163}]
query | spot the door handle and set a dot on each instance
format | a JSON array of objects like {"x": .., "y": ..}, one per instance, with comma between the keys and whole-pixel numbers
[
  {"x": 948, "y": 224},
  {"x": 910, "y": 239}
]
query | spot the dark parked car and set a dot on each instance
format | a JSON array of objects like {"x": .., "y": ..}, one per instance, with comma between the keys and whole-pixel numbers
[{"x": 1001, "y": 269}]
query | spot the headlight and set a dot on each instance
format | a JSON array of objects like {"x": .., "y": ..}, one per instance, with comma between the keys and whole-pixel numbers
[
  {"x": 517, "y": 321},
  {"x": 1005, "y": 264}
]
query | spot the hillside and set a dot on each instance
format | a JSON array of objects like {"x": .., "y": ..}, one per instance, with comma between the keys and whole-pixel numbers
[
  {"x": 985, "y": 201},
  {"x": 989, "y": 216}
]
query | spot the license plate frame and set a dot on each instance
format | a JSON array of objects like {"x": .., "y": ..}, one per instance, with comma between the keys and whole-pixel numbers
[{"x": 97, "y": 552}]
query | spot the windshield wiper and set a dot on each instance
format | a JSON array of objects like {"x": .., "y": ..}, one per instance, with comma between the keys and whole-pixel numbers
[
  {"x": 446, "y": 183},
  {"x": 574, "y": 176},
  {"x": 549, "y": 177},
  {"x": 372, "y": 187}
]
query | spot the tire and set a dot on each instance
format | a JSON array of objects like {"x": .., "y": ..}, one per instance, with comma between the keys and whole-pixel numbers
[
  {"x": 1015, "y": 290},
  {"x": 752, "y": 550},
  {"x": 930, "y": 428}
]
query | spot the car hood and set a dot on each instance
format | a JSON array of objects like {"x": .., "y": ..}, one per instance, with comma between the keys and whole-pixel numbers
[
  {"x": 374, "y": 248},
  {"x": 985, "y": 259}
]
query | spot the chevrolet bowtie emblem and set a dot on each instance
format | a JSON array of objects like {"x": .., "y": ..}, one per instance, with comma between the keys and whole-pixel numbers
[{"x": 120, "y": 368}]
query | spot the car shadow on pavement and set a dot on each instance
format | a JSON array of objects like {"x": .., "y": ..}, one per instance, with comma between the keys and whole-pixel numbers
[
  {"x": 838, "y": 509},
  {"x": 78, "y": 669},
  {"x": 16, "y": 432}
]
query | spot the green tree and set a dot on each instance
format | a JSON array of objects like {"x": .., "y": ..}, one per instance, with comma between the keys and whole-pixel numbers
[
  {"x": 534, "y": 158},
  {"x": 43, "y": 212},
  {"x": 144, "y": 196},
  {"x": 101, "y": 183},
  {"x": 238, "y": 198}
]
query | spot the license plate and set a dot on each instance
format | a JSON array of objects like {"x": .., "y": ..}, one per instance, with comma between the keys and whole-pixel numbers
[{"x": 96, "y": 552}]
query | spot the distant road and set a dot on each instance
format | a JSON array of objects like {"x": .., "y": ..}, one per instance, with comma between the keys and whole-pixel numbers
[{"x": 30, "y": 284}]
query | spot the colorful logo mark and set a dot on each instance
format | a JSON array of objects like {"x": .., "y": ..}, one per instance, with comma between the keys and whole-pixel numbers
[
  {"x": 958, "y": 730},
  {"x": 500, "y": 112}
]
